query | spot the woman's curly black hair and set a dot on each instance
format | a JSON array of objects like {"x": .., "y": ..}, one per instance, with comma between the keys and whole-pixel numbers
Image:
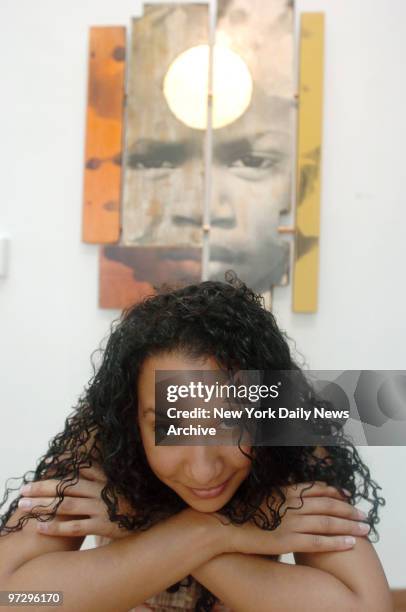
[{"x": 227, "y": 321}]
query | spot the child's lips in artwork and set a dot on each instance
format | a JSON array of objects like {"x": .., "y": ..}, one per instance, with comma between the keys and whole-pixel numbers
[{"x": 182, "y": 255}]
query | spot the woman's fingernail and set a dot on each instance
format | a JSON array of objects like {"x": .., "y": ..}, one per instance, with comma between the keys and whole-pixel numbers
[
  {"x": 361, "y": 514},
  {"x": 43, "y": 527},
  {"x": 25, "y": 503},
  {"x": 363, "y": 527},
  {"x": 349, "y": 541},
  {"x": 347, "y": 492},
  {"x": 26, "y": 489}
]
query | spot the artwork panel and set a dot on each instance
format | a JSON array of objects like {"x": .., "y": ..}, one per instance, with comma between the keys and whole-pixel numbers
[
  {"x": 251, "y": 182},
  {"x": 104, "y": 132},
  {"x": 117, "y": 286},
  {"x": 306, "y": 254},
  {"x": 164, "y": 167},
  {"x": 128, "y": 274}
]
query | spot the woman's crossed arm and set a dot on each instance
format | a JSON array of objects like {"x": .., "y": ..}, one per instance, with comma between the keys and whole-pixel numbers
[
  {"x": 230, "y": 560},
  {"x": 113, "y": 577},
  {"x": 351, "y": 580}
]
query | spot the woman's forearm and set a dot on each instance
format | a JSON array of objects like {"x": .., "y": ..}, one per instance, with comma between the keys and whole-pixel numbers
[
  {"x": 253, "y": 582},
  {"x": 124, "y": 573}
]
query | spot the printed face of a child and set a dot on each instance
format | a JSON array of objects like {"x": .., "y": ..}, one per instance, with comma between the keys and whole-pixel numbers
[{"x": 205, "y": 477}]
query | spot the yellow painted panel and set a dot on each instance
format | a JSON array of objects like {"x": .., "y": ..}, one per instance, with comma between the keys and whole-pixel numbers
[{"x": 306, "y": 254}]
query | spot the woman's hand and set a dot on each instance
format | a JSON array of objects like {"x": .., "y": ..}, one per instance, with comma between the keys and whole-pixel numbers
[
  {"x": 81, "y": 513},
  {"x": 325, "y": 522}
]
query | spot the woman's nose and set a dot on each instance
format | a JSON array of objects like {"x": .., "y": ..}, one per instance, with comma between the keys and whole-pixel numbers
[{"x": 204, "y": 466}]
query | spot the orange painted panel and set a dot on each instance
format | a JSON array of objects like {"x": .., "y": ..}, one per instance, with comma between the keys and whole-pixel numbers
[{"x": 104, "y": 135}]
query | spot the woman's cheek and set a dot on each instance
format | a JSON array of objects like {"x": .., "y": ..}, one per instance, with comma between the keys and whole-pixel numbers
[
  {"x": 239, "y": 459},
  {"x": 162, "y": 462}
]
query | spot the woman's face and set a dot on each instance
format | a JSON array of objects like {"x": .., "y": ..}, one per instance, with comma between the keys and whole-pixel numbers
[{"x": 205, "y": 477}]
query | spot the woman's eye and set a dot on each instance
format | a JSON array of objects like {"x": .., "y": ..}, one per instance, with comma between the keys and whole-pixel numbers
[{"x": 228, "y": 424}]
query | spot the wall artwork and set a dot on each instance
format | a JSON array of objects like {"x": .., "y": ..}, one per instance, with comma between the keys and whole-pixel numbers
[{"x": 203, "y": 168}]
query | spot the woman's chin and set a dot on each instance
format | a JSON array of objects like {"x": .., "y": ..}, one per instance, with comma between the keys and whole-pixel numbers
[{"x": 207, "y": 505}]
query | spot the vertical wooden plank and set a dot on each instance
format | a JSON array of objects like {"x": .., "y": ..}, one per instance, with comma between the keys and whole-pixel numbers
[
  {"x": 104, "y": 127},
  {"x": 306, "y": 255},
  {"x": 162, "y": 202},
  {"x": 252, "y": 152},
  {"x": 163, "y": 179}
]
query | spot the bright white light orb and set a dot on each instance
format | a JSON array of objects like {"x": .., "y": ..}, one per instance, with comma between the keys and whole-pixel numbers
[{"x": 186, "y": 86}]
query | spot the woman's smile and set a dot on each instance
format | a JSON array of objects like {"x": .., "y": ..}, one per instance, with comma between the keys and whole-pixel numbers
[{"x": 212, "y": 491}]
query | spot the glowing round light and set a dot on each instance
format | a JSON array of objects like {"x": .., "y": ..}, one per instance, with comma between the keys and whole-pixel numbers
[{"x": 186, "y": 86}]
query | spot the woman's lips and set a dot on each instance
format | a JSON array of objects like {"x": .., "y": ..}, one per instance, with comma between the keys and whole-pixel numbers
[{"x": 213, "y": 492}]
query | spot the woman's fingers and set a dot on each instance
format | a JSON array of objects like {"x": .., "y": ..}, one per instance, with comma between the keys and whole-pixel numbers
[
  {"x": 307, "y": 489},
  {"x": 95, "y": 473},
  {"x": 326, "y": 505},
  {"x": 298, "y": 495},
  {"x": 69, "y": 505},
  {"x": 319, "y": 543},
  {"x": 76, "y": 528},
  {"x": 47, "y": 488},
  {"x": 327, "y": 525},
  {"x": 81, "y": 527}
]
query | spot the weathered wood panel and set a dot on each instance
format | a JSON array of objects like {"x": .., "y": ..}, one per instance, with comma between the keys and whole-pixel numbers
[
  {"x": 252, "y": 159},
  {"x": 128, "y": 274},
  {"x": 163, "y": 175},
  {"x": 163, "y": 183}
]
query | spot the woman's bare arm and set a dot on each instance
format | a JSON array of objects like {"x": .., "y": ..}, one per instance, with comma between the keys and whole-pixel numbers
[
  {"x": 115, "y": 577},
  {"x": 244, "y": 577},
  {"x": 359, "y": 569},
  {"x": 350, "y": 580}
]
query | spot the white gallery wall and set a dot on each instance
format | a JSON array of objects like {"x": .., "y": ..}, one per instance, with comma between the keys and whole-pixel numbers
[{"x": 49, "y": 318}]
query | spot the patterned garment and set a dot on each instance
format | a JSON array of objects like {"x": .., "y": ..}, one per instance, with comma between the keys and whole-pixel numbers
[{"x": 182, "y": 600}]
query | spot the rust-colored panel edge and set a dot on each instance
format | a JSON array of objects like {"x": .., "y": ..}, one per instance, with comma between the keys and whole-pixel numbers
[{"x": 127, "y": 274}]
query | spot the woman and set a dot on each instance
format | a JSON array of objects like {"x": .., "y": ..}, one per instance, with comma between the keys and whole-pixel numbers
[{"x": 205, "y": 523}]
